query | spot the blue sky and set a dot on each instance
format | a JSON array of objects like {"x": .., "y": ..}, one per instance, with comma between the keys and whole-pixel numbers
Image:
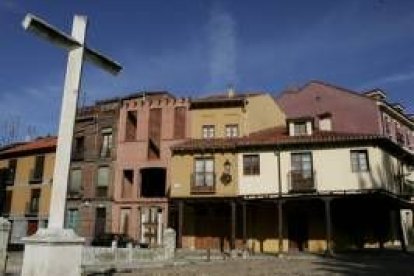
[{"x": 194, "y": 48}]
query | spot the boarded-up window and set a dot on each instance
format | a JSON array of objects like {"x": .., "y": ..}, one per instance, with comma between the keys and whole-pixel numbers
[
  {"x": 179, "y": 122},
  {"x": 103, "y": 181},
  {"x": 75, "y": 181},
  {"x": 154, "y": 131},
  {"x": 131, "y": 126}
]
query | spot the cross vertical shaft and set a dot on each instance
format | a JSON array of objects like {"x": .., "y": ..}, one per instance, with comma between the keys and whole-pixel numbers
[{"x": 66, "y": 125}]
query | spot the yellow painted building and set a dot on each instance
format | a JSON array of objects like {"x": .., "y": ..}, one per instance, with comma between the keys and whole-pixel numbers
[
  {"x": 26, "y": 177},
  {"x": 290, "y": 188}
]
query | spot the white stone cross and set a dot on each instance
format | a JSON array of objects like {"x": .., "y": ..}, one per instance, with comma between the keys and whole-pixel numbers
[{"x": 77, "y": 52}]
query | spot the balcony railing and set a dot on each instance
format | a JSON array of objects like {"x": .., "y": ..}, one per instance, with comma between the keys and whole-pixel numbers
[
  {"x": 203, "y": 182},
  {"x": 32, "y": 208},
  {"x": 302, "y": 181}
]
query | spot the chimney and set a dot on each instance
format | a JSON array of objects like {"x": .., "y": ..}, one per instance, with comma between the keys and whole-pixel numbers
[{"x": 230, "y": 91}]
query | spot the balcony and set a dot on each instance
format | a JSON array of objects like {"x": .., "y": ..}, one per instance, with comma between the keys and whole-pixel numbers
[
  {"x": 302, "y": 181},
  {"x": 32, "y": 207},
  {"x": 203, "y": 183}
]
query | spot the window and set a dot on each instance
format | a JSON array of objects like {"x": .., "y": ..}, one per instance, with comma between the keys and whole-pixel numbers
[
  {"x": 37, "y": 172},
  {"x": 208, "y": 131},
  {"x": 301, "y": 162},
  {"x": 131, "y": 126},
  {"x": 232, "y": 130},
  {"x": 386, "y": 123},
  {"x": 204, "y": 172},
  {"x": 7, "y": 204},
  {"x": 103, "y": 181},
  {"x": 124, "y": 223},
  {"x": 33, "y": 205},
  {"x": 72, "y": 219},
  {"x": 359, "y": 161},
  {"x": 11, "y": 172},
  {"x": 251, "y": 164},
  {"x": 154, "y": 132},
  {"x": 299, "y": 128},
  {"x": 75, "y": 182},
  {"x": 301, "y": 174},
  {"x": 179, "y": 122},
  {"x": 127, "y": 182},
  {"x": 79, "y": 148},
  {"x": 106, "y": 143}
]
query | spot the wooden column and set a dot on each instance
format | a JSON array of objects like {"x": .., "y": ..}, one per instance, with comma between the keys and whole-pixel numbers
[
  {"x": 280, "y": 225},
  {"x": 233, "y": 225},
  {"x": 244, "y": 225},
  {"x": 400, "y": 230},
  {"x": 328, "y": 224},
  {"x": 180, "y": 224}
]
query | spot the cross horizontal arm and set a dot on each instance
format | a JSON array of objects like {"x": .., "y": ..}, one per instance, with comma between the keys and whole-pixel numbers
[
  {"x": 45, "y": 30},
  {"x": 48, "y": 32},
  {"x": 102, "y": 61}
]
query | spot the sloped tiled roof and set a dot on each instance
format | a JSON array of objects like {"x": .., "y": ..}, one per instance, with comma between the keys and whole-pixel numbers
[
  {"x": 39, "y": 144},
  {"x": 272, "y": 136}
]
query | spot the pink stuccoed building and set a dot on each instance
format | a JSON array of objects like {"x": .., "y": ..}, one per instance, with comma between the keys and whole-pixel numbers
[
  {"x": 341, "y": 110},
  {"x": 149, "y": 123}
]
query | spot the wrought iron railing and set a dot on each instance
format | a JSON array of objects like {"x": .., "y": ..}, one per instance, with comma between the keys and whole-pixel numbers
[
  {"x": 302, "y": 181},
  {"x": 203, "y": 182}
]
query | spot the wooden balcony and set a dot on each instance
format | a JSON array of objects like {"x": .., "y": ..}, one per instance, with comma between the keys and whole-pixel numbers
[
  {"x": 302, "y": 181},
  {"x": 203, "y": 183}
]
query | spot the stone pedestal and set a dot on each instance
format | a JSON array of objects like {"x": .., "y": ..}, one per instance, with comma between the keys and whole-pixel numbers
[
  {"x": 169, "y": 243},
  {"x": 4, "y": 238},
  {"x": 53, "y": 252}
]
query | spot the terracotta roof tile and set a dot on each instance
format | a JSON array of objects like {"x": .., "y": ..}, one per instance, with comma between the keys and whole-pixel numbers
[
  {"x": 273, "y": 136},
  {"x": 42, "y": 143}
]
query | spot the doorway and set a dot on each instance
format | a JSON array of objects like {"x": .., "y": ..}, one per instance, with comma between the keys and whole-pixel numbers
[{"x": 298, "y": 231}]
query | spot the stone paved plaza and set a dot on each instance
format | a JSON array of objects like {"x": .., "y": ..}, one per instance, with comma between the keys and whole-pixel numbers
[
  {"x": 375, "y": 263},
  {"x": 355, "y": 264}
]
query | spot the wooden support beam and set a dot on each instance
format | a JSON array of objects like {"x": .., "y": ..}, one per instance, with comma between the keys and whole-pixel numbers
[
  {"x": 180, "y": 224},
  {"x": 400, "y": 230},
  {"x": 328, "y": 224},
  {"x": 280, "y": 225},
  {"x": 233, "y": 225},
  {"x": 244, "y": 225}
]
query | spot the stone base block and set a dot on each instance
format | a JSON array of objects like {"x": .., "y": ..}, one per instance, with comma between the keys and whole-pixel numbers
[{"x": 52, "y": 252}]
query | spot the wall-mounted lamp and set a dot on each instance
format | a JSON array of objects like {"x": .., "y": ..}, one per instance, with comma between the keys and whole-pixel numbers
[
  {"x": 227, "y": 166},
  {"x": 226, "y": 176}
]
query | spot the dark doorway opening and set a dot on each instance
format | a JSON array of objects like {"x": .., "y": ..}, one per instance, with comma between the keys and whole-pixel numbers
[
  {"x": 153, "y": 182},
  {"x": 298, "y": 231},
  {"x": 100, "y": 219}
]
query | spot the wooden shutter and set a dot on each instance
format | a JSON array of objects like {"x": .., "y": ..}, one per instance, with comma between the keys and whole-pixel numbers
[{"x": 179, "y": 122}]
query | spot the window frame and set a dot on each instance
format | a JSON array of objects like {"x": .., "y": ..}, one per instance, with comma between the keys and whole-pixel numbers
[
  {"x": 204, "y": 173},
  {"x": 208, "y": 131},
  {"x": 358, "y": 168},
  {"x": 251, "y": 164},
  {"x": 229, "y": 130}
]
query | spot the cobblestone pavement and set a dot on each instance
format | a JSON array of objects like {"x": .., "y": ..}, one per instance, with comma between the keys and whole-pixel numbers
[{"x": 396, "y": 265}]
